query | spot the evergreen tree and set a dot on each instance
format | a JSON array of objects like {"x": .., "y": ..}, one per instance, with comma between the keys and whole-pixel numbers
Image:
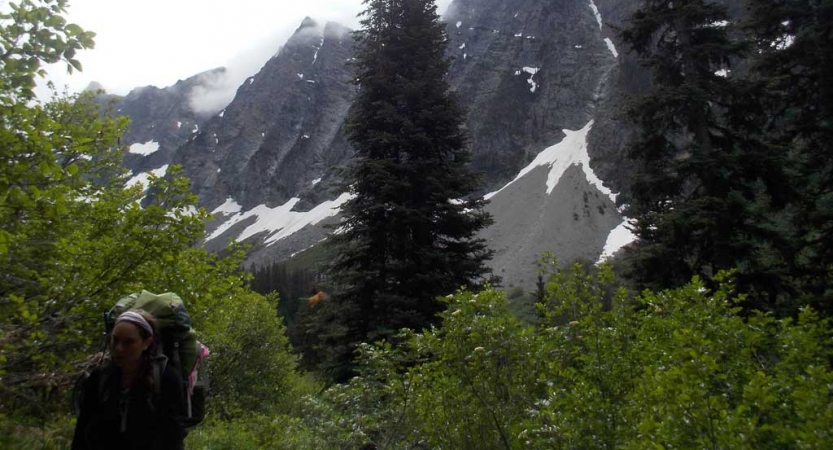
[
  {"x": 794, "y": 68},
  {"x": 409, "y": 230},
  {"x": 707, "y": 184}
]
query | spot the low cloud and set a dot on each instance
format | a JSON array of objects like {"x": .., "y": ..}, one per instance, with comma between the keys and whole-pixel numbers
[{"x": 219, "y": 88}]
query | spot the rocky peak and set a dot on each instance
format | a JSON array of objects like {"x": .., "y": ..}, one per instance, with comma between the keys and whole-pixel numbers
[
  {"x": 94, "y": 86},
  {"x": 542, "y": 81},
  {"x": 308, "y": 22},
  {"x": 162, "y": 117},
  {"x": 282, "y": 130}
]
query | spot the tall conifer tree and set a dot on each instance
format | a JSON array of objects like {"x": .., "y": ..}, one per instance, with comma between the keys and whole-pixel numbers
[
  {"x": 794, "y": 69},
  {"x": 409, "y": 231},
  {"x": 707, "y": 184}
]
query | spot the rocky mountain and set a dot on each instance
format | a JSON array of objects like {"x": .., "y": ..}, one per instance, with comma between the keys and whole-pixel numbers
[
  {"x": 542, "y": 80},
  {"x": 161, "y": 121},
  {"x": 279, "y": 136},
  {"x": 535, "y": 76}
]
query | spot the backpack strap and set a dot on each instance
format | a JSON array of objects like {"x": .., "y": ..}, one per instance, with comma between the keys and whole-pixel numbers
[{"x": 159, "y": 364}]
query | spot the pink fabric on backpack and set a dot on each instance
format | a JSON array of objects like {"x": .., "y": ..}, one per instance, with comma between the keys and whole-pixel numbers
[{"x": 192, "y": 377}]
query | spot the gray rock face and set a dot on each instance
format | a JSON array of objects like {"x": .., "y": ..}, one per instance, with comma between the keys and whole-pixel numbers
[
  {"x": 527, "y": 69},
  {"x": 161, "y": 115},
  {"x": 625, "y": 79},
  {"x": 571, "y": 222},
  {"x": 524, "y": 69},
  {"x": 283, "y": 128}
]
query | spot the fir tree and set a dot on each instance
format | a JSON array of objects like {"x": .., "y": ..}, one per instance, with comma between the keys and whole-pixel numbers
[
  {"x": 409, "y": 230},
  {"x": 707, "y": 184},
  {"x": 794, "y": 68}
]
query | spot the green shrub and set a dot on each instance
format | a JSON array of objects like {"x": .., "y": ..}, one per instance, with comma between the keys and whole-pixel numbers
[
  {"x": 24, "y": 433},
  {"x": 602, "y": 370}
]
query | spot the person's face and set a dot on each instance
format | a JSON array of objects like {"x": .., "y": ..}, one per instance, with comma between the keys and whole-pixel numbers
[{"x": 128, "y": 345}]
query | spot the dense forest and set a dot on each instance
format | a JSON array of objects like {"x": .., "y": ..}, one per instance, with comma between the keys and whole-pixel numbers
[{"x": 711, "y": 331}]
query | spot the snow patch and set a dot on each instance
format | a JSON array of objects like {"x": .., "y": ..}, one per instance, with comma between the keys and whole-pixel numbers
[
  {"x": 229, "y": 207},
  {"x": 596, "y": 13},
  {"x": 144, "y": 177},
  {"x": 532, "y": 71},
  {"x": 571, "y": 151},
  {"x": 300, "y": 75},
  {"x": 196, "y": 129},
  {"x": 723, "y": 73},
  {"x": 786, "y": 41},
  {"x": 251, "y": 80},
  {"x": 222, "y": 113},
  {"x": 611, "y": 47},
  {"x": 316, "y": 181},
  {"x": 521, "y": 34},
  {"x": 579, "y": 47},
  {"x": 618, "y": 238},
  {"x": 317, "y": 49},
  {"x": 459, "y": 24},
  {"x": 280, "y": 222},
  {"x": 178, "y": 124},
  {"x": 144, "y": 149},
  {"x": 463, "y": 46}
]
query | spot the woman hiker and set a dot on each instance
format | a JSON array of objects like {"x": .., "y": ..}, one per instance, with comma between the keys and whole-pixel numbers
[{"x": 135, "y": 401}]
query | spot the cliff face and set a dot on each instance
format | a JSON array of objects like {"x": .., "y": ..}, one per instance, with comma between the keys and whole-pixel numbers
[
  {"x": 160, "y": 119},
  {"x": 279, "y": 136},
  {"x": 543, "y": 84},
  {"x": 526, "y": 69}
]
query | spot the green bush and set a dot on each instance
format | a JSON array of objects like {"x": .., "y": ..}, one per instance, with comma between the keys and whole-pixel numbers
[
  {"x": 252, "y": 432},
  {"x": 54, "y": 433},
  {"x": 251, "y": 368},
  {"x": 602, "y": 369}
]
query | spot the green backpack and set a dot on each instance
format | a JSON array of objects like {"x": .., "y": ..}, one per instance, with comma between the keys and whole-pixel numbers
[{"x": 178, "y": 343}]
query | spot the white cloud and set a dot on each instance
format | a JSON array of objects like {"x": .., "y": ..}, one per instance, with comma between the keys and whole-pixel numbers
[{"x": 157, "y": 42}]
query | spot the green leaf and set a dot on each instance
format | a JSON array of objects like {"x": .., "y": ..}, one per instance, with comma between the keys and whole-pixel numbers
[{"x": 45, "y": 168}]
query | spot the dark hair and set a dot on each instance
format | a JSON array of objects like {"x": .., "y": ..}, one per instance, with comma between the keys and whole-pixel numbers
[{"x": 149, "y": 354}]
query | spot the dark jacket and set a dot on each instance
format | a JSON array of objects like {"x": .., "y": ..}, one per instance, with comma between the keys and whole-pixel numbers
[{"x": 153, "y": 420}]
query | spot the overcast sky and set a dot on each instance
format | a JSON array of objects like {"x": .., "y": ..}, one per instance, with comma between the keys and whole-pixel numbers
[{"x": 157, "y": 42}]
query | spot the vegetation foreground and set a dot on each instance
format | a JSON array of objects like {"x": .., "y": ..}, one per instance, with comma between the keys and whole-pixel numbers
[{"x": 601, "y": 369}]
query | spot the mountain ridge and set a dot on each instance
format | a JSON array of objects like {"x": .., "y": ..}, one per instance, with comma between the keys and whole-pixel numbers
[{"x": 530, "y": 72}]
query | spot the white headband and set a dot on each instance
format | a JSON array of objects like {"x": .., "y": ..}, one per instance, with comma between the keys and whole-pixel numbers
[{"x": 137, "y": 319}]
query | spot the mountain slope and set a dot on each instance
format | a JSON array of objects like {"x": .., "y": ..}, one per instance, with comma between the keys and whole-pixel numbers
[
  {"x": 282, "y": 130},
  {"x": 542, "y": 81},
  {"x": 161, "y": 121}
]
